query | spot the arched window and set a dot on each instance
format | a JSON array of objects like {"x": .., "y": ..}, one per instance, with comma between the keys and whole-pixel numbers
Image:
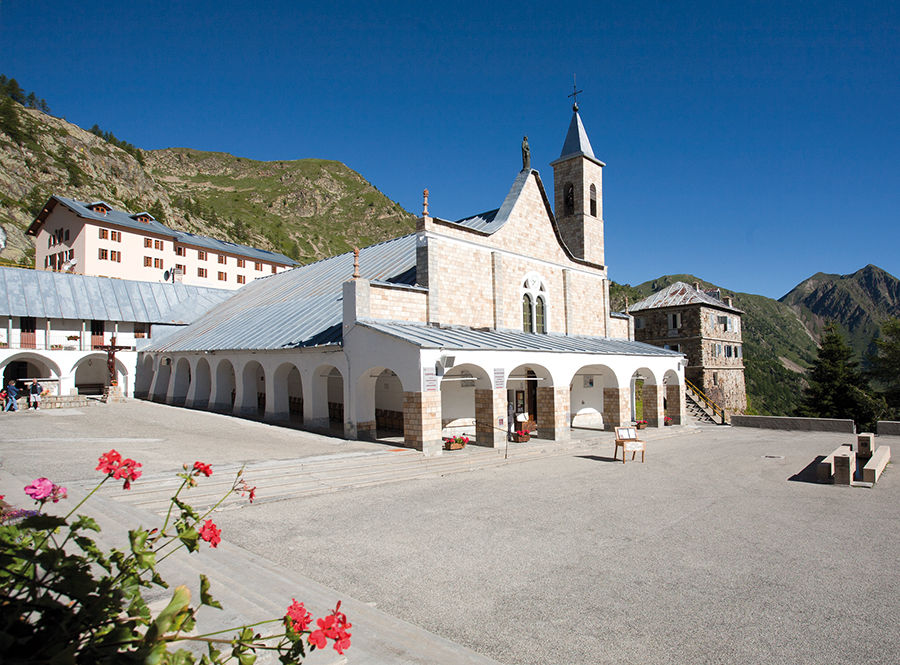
[
  {"x": 527, "y": 318},
  {"x": 593, "y": 201},
  {"x": 540, "y": 321},
  {"x": 570, "y": 199},
  {"x": 534, "y": 304}
]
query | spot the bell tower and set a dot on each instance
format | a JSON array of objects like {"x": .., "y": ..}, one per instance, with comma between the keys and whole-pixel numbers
[{"x": 578, "y": 194}]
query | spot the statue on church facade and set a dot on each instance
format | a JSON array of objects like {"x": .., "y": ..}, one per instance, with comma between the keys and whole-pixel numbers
[{"x": 526, "y": 154}]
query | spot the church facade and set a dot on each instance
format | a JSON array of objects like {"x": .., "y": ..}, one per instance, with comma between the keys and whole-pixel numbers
[{"x": 455, "y": 329}]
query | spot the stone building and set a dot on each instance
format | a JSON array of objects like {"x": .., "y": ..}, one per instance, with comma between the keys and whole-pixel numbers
[
  {"x": 94, "y": 239},
  {"x": 704, "y": 327},
  {"x": 436, "y": 332}
]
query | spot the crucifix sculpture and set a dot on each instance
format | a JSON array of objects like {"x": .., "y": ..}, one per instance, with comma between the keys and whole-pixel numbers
[{"x": 111, "y": 349}]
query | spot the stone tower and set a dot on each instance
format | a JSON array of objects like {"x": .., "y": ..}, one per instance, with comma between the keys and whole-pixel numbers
[{"x": 578, "y": 194}]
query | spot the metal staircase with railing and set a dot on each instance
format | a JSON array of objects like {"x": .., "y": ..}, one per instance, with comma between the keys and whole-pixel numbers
[{"x": 701, "y": 407}]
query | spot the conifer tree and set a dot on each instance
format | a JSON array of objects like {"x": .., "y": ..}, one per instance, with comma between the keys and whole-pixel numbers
[
  {"x": 884, "y": 364},
  {"x": 837, "y": 388}
]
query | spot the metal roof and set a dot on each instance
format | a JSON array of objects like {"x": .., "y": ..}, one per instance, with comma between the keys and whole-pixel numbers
[
  {"x": 59, "y": 295},
  {"x": 301, "y": 307},
  {"x": 678, "y": 295},
  {"x": 459, "y": 338},
  {"x": 127, "y": 220},
  {"x": 577, "y": 141}
]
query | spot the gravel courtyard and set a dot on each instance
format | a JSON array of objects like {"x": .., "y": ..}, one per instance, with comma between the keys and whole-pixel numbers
[{"x": 707, "y": 553}]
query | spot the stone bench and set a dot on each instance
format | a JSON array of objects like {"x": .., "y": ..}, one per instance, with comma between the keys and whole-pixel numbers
[
  {"x": 825, "y": 468},
  {"x": 873, "y": 468}
]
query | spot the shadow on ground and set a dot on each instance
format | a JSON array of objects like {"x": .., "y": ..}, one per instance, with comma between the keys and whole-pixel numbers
[{"x": 808, "y": 473}]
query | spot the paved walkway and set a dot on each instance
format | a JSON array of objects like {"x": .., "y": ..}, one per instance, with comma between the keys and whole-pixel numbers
[{"x": 707, "y": 553}]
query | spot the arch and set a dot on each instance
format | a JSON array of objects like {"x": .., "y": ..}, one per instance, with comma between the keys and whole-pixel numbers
[
  {"x": 593, "y": 200},
  {"x": 253, "y": 390},
  {"x": 225, "y": 387},
  {"x": 459, "y": 411},
  {"x": 379, "y": 404},
  {"x": 143, "y": 377},
  {"x": 23, "y": 361},
  {"x": 591, "y": 385},
  {"x": 327, "y": 394},
  {"x": 674, "y": 397},
  {"x": 522, "y": 387},
  {"x": 643, "y": 386},
  {"x": 202, "y": 385},
  {"x": 287, "y": 397},
  {"x": 181, "y": 381},
  {"x": 92, "y": 374},
  {"x": 569, "y": 200}
]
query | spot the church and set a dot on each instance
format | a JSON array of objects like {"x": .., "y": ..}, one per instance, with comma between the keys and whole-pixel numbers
[{"x": 457, "y": 328}]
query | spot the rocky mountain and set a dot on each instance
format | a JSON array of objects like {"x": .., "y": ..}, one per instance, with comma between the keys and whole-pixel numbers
[
  {"x": 286, "y": 206},
  {"x": 858, "y": 304}
]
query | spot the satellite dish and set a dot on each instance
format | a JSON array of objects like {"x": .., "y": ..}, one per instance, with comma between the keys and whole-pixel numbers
[
  {"x": 166, "y": 276},
  {"x": 2, "y": 238}
]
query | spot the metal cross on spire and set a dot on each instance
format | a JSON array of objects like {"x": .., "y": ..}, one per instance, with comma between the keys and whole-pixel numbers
[{"x": 574, "y": 95}]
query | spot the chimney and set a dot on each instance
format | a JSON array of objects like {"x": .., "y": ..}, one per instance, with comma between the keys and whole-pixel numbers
[
  {"x": 696, "y": 286},
  {"x": 728, "y": 301}
]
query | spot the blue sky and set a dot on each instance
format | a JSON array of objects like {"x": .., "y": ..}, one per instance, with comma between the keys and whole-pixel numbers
[{"x": 750, "y": 143}]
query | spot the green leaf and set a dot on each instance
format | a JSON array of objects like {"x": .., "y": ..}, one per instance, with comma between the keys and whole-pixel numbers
[
  {"x": 190, "y": 538},
  {"x": 43, "y": 522},
  {"x": 205, "y": 597},
  {"x": 85, "y": 522}
]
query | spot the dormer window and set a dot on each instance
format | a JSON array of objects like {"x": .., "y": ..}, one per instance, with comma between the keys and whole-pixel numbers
[
  {"x": 144, "y": 217},
  {"x": 99, "y": 207}
]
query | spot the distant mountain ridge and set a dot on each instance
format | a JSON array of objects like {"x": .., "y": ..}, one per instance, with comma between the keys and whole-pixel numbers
[
  {"x": 308, "y": 209},
  {"x": 857, "y": 303}
]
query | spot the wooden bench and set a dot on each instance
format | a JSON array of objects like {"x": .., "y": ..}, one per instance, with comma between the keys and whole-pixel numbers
[
  {"x": 626, "y": 439},
  {"x": 825, "y": 469},
  {"x": 876, "y": 464}
]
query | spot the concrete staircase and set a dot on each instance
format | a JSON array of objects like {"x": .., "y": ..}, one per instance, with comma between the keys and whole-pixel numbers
[{"x": 700, "y": 409}]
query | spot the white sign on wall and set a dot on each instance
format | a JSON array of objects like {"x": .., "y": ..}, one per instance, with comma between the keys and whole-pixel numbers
[
  {"x": 429, "y": 379},
  {"x": 499, "y": 378}
]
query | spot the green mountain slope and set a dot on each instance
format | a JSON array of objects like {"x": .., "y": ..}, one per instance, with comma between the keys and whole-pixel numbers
[
  {"x": 857, "y": 303},
  {"x": 307, "y": 209},
  {"x": 777, "y": 347}
]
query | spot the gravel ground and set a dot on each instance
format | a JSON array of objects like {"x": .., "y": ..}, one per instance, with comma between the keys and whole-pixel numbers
[{"x": 707, "y": 553}]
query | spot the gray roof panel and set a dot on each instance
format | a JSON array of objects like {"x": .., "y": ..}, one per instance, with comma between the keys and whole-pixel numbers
[
  {"x": 301, "y": 307},
  {"x": 57, "y": 295},
  {"x": 459, "y": 338}
]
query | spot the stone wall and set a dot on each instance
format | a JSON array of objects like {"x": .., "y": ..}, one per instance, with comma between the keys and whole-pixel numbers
[
  {"x": 422, "y": 421},
  {"x": 397, "y": 303},
  {"x": 888, "y": 428},
  {"x": 799, "y": 424}
]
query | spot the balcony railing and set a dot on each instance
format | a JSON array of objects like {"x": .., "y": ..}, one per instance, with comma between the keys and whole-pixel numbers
[{"x": 60, "y": 342}]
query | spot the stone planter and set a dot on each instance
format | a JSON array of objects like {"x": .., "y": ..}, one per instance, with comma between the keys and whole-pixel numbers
[
  {"x": 521, "y": 438},
  {"x": 454, "y": 445}
]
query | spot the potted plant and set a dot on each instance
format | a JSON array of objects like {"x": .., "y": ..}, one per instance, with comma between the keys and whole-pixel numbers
[
  {"x": 522, "y": 436},
  {"x": 455, "y": 442},
  {"x": 640, "y": 424},
  {"x": 667, "y": 420}
]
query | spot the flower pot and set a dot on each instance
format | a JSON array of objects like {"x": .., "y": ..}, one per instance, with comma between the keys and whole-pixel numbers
[
  {"x": 454, "y": 445},
  {"x": 521, "y": 438},
  {"x": 641, "y": 425}
]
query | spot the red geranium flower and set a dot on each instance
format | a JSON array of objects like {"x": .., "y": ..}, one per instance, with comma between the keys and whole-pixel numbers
[
  {"x": 205, "y": 469},
  {"x": 112, "y": 464},
  {"x": 109, "y": 462},
  {"x": 211, "y": 533},
  {"x": 298, "y": 616},
  {"x": 333, "y": 627}
]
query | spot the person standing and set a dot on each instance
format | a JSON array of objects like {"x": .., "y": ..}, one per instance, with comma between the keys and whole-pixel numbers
[
  {"x": 12, "y": 393},
  {"x": 34, "y": 394}
]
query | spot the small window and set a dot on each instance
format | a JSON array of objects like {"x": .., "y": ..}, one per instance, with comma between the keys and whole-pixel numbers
[
  {"x": 103, "y": 255},
  {"x": 104, "y": 234},
  {"x": 157, "y": 244},
  {"x": 257, "y": 265},
  {"x": 639, "y": 322},
  {"x": 540, "y": 325},
  {"x": 674, "y": 320},
  {"x": 158, "y": 263},
  {"x": 115, "y": 255},
  {"x": 201, "y": 255},
  {"x": 27, "y": 324},
  {"x": 274, "y": 270},
  {"x": 179, "y": 251},
  {"x": 148, "y": 262},
  {"x": 728, "y": 351},
  {"x": 241, "y": 263},
  {"x": 67, "y": 235},
  {"x": 148, "y": 242},
  {"x": 222, "y": 259},
  {"x": 222, "y": 276},
  {"x": 715, "y": 378},
  {"x": 117, "y": 236},
  {"x": 201, "y": 272},
  {"x": 140, "y": 330},
  {"x": 593, "y": 201},
  {"x": 569, "y": 203},
  {"x": 180, "y": 267},
  {"x": 527, "y": 321},
  {"x": 241, "y": 279}
]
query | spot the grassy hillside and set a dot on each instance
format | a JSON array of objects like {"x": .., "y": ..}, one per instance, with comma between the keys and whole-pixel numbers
[
  {"x": 307, "y": 209},
  {"x": 777, "y": 347}
]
